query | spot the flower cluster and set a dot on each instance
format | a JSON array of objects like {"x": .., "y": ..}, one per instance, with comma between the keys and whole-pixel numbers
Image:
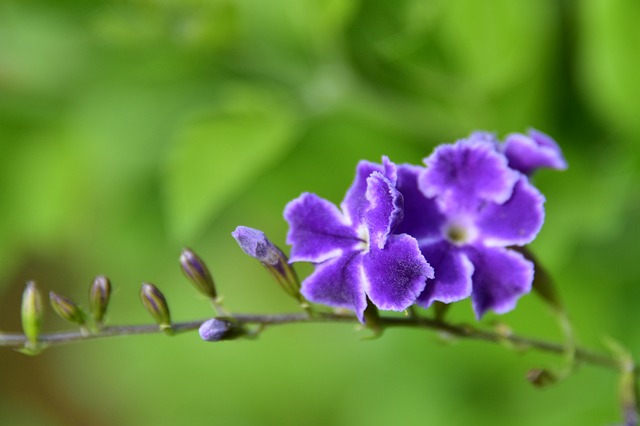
[
  {"x": 414, "y": 235},
  {"x": 407, "y": 234}
]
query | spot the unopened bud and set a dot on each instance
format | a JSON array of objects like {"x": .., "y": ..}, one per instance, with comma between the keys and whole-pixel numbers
[
  {"x": 541, "y": 378},
  {"x": 66, "y": 308},
  {"x": 222, "y": 328},
  {"x": 32, "y": 313},
  {"x": 254, "y": 243},
  {"x": 99, "y": 295},
  {"x": 155, "y": 303},
  {"x": 198, "y": 273}
]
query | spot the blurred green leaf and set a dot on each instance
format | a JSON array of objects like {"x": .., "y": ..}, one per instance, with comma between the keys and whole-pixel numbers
[
  {"x": 218, "y": 152},
  {"x": 610, "y": 62},
  {"x": 189, "y": 24},
  {"x": 466, "y": 64},
  {"x": 39, "y": 51}
]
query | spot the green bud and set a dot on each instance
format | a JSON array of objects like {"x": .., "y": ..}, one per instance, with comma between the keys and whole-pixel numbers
[
  {"x": 198, "y": 273},
  {"x": 99, "y": 295},
  {"x": 32, "y": 313},
  {"x": 66, "y": 308},
  {"x": 155, "y": 303}
]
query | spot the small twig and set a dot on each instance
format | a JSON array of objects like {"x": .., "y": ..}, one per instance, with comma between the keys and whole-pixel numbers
[{"x": 460, "y": 330}]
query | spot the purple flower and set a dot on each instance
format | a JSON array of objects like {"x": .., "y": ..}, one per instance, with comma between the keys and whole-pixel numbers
[
  {"x": 466, "y": 208},
  {"x": 357, "y": 254},
  {"x": 526, "y": 153}
]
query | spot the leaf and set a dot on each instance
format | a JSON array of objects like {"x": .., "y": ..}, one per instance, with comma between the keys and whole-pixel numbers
[
  {"x": 219, "y": 152},
  {"x": 609, "y": 61}
]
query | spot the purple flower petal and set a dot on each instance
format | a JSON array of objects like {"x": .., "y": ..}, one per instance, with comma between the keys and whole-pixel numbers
[
  {"x": 462, "y": 175},
  {"x": 516, "y": 222},
  {"x": 390, "y": 170},
  {"x": 355, "y": 201},
  {"x": 317, "y": 230},
  {"x": 453, "y": 271},
  {"x": 500, "y": 277},
  {"x": 529, "y": 153},
  {"x": 485, "y": 137},
  {"x": 422, "y": 217},
  {"x": 338, "y": 283},
  {"x": 384, "y": 211},
  {"x": 397, "y": 274}
]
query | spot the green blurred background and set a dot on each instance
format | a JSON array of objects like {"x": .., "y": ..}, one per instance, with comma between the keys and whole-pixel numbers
[{"x": 132, "y": 128}]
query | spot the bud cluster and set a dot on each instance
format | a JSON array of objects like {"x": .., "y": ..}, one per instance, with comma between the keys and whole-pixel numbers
[
  {"x": 32, "y": 310},
  {"x": 223, "y": 327}
]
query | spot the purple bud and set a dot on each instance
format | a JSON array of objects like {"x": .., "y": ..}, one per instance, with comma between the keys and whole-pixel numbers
[
  {"x": 66, "y": 308},
  {"x": 223, "y": 328},
  {"x": 198, "y": 273},
  {"x": 99, "y": 295},
  {"x": 156, "y": 304},
  {"x": 255, "y": 243}
]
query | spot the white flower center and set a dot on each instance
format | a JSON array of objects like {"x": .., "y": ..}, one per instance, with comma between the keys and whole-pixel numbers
[
  {"x": 363, "y": 236},
  {"x": 460, "y": 232}
]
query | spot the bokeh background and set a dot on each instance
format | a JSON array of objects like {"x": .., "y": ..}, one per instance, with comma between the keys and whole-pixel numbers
[{"x": 132, "y": 128}]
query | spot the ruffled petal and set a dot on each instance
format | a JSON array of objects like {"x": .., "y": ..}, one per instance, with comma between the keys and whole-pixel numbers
[
  {"x": 422, "y": 217},
  {"x": 485, "y": 137},
  {"x": 397, "y": 274},
  {"x": 355, "y": 201},
  {"x": 390, "y": 170},
  {"x": 317, "y": 230},
  {"x": 463, "y": 175},
  {"x": 384, "y": 211},
  {"x": 529, "y": 153},
  {"x": 453, "y": 271},
  {"x": 339, "y": 283},
  {"x": 516, "y": 222},
  {"x": 500, "y": 277}
]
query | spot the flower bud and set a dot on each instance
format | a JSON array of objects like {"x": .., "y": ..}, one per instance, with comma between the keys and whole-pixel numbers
[
  {"x": 66, "y": 308},
  {"x": 541, "y": 378},
  {"x": 32, "y": 313},
  {"x": 99, "y": 295},
  {"x": 222, "y": 328},
  {"x": 254, "y": 243},
  {"x": 155, "y": 303},
  {"x": 198, "y": 273}
]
